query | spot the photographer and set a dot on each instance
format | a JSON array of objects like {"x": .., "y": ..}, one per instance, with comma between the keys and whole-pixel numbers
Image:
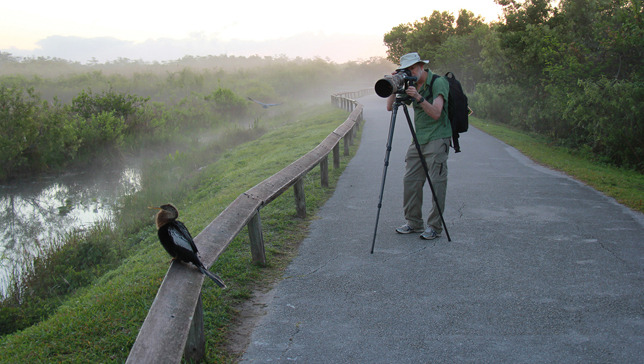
[{"x": 434, "y": 132}]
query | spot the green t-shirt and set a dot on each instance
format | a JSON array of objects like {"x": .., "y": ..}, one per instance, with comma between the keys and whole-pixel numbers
[{"x": 428, "y": 129}]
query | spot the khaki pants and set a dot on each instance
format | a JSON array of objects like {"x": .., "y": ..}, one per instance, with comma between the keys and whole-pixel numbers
[{"x": 435, "y": 153}]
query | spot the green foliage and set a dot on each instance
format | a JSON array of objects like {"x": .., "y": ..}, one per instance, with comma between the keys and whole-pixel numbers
[
  {"x": 87, "y": 104},
  {"x": 227, "y": 103},
  {"x": 126, "y": 107},
  {"x": 490, "y": 101},
  {"x": 426, "y": 35},
  {"x": 69, "y": 264},
  {"x": 431, "y": 32},
  {"x": 18, "y": 126},
  {"x": 614, "y": 129},
  {"x": 461, "y": 54},
  {"x": 59, "y": 137},
  {"x": 104, "y": 129},
  {"x": 37, "y": 135},
  {"x": 396, "y": 42}
]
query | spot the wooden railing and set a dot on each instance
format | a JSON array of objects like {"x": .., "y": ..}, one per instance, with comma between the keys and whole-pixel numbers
[
  {"x": 174, "y": 325},
  {"x": 346, "y": 100}
]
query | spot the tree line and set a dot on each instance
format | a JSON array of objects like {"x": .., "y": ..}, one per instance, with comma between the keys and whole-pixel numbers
[{"x": 570, "y": 69}]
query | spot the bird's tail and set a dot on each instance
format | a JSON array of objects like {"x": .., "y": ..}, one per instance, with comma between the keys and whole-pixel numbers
[{"x": 213, "y": 276}]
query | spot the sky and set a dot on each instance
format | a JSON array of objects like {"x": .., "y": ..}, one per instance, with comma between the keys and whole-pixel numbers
[{"x": 337, "y": 30}]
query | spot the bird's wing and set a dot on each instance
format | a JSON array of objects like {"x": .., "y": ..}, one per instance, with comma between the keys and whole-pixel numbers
[
  {"x": 181, "y": 236},
  {"x": 262, "y": 103},
  {"x": 167, "y": 241},
  {"x": 253, "y": 100}
]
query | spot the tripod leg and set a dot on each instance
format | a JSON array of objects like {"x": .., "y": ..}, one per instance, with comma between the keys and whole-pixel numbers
[
  {"x": 390, "y": 138},
  {"x": 424, "y": 163}
]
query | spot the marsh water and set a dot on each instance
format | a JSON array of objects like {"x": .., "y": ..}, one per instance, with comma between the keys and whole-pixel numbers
[{"x": 36, "y": 212}]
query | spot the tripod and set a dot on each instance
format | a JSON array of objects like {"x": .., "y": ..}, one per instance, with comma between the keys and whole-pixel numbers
[{"x": 400, "y": 98}]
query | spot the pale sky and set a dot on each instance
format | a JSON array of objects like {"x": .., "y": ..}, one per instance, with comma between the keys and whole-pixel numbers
[{"x": 340, "y": 30}]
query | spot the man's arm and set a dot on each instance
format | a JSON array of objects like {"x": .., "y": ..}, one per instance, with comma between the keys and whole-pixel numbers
[
  {"x": 390, "y": 102},
  {"x": 434, "y": 110}
]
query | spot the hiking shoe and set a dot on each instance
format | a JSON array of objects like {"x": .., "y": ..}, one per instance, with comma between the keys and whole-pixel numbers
[
  {"x": 406, "y": 229},
  {"x": 430, "y": 234}
]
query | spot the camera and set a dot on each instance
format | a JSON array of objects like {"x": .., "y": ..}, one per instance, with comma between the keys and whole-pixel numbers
[{"x": 396, "y": 83}]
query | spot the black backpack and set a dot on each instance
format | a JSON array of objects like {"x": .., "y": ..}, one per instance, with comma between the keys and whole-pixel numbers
[{"x": 457, "y": 109}]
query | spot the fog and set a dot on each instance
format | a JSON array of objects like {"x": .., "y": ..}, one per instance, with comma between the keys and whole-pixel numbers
[{"x": 336, "y": 48}]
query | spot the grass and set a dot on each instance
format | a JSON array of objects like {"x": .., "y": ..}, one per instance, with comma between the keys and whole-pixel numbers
[
  {"x": 625, "y": 186},
  {"x": 99, "y": 323}
]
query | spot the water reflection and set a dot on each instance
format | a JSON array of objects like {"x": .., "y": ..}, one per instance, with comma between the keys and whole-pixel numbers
[{"x": 35, "y": 213}]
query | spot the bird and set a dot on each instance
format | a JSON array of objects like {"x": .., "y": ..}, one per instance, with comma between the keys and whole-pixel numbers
[
  {"x": 177, "y": 241},
  {"x": 264, "y": 105}
]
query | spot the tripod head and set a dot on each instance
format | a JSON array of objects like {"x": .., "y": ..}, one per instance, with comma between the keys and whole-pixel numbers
[{"x": 401, "y": 98}]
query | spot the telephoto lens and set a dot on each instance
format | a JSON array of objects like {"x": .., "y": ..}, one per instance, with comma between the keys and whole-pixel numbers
[
  {"x": 396, "y": 83},
  {"x": 387, "y": 86}
]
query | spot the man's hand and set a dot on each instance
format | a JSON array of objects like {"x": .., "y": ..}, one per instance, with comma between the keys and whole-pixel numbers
[{"x": 413, "y": 93}]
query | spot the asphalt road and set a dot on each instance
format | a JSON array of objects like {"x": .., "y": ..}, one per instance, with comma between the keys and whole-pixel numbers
[{"x": 540, "y": 269}]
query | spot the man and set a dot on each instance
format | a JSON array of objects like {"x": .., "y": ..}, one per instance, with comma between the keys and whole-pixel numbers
[{"x": 434, "y": 132}]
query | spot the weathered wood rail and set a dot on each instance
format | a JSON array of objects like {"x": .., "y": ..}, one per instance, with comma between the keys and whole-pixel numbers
[{"x": 174, "y": 325}]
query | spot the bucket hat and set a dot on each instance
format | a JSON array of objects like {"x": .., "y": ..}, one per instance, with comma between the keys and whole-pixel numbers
[{"x": 410, "y": 59}]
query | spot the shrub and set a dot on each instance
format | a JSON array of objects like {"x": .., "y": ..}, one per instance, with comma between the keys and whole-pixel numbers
[
  {"x": 496, "y": 102},
  {"x": 125, "y": 106},
  {"x": 609, "y": 114},
  {"x": 227, "y": 103},
  {"x": 18, "y": 126}
]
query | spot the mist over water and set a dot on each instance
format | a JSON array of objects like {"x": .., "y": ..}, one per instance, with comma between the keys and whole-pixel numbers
[{"x": 38, "y": 212}]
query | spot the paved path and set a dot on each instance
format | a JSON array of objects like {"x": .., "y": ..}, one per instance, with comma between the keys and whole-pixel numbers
[{"x": 541, "y": 268}]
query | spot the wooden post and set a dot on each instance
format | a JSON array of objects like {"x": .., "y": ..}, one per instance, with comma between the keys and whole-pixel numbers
[
  {"x": 300, "y": 198},
  {"x": 347, "y": 142},
  {"x": 195, "y": 349},
  {"x": 336, "y": 156},
  {"x": 324, "y": 171},
  {"x": 256, "y": 236}
]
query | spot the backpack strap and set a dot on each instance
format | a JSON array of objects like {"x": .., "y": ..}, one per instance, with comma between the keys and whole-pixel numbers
[
  {"x": 431, "y": 86},
  {"x": 431, "y": 90}
]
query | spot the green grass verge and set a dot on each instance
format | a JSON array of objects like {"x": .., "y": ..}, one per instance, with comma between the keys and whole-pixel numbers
[
  {"x": 99, "y": 323},
  {"x": 625, "y": 186}
]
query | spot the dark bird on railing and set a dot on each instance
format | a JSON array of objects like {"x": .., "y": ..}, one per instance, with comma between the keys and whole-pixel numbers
[
  {"x": 177, "y": 241},
  {"x": 264, "y": 105}
]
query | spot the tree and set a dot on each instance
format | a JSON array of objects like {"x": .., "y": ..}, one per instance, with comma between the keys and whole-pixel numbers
[
  {"x": 429, "y": 33},
  {"x": 467, "y": 22},
  {"x": 396, "y": 42}
]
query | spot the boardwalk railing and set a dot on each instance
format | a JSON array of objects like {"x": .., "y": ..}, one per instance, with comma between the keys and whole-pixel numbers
[{"x": 174, "y": 325}]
